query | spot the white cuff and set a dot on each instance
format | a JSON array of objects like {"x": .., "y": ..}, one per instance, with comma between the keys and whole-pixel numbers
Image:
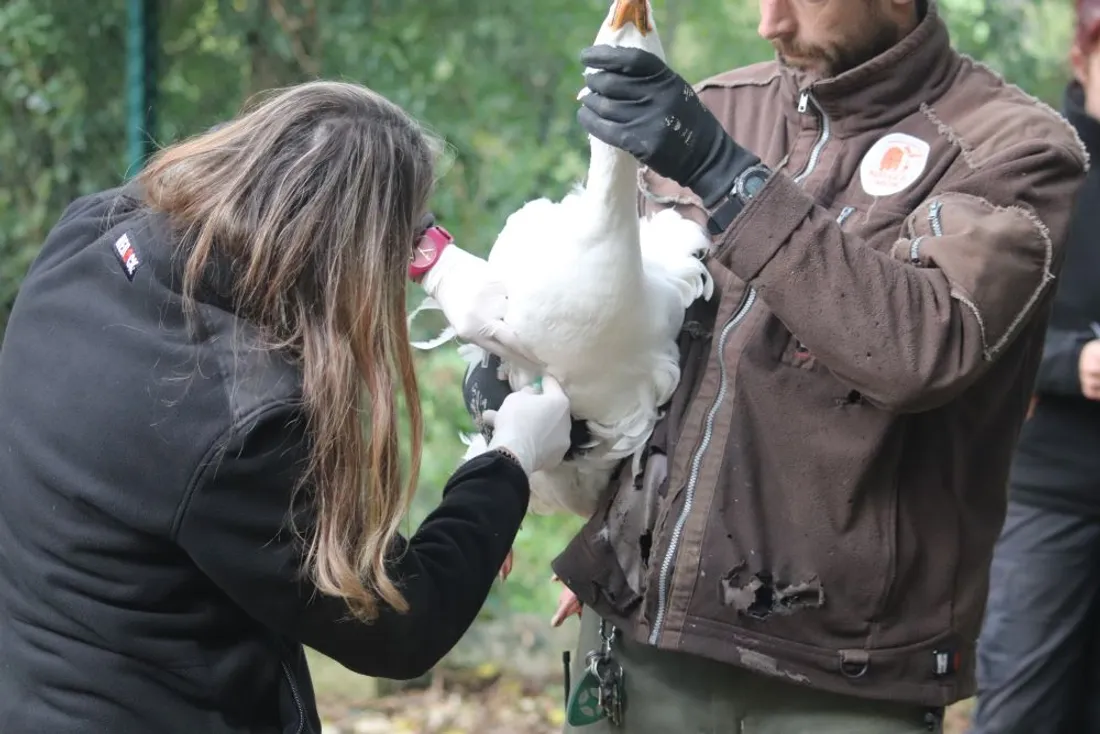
[{"x": 434, "y": 277}]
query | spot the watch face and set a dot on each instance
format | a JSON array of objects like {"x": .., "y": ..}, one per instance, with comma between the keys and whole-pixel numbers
[
  {"x": 754, "y": 183},
  {"x": 425, "y": 253}
]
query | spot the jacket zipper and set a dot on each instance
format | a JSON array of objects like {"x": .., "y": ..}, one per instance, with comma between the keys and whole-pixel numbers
[
  {"x": 934, "y": 218},
  {"x": 804, "y": 101},
  {"x": 297, "y": 698}
]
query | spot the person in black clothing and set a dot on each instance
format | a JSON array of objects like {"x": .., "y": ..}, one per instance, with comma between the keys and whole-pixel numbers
[
  {"x": 1039, "y": 650},
  {"x": 187, "y": 491}
]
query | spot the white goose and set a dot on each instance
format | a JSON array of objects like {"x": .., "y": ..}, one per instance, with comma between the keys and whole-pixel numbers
[{"x": 598, "y": 295}]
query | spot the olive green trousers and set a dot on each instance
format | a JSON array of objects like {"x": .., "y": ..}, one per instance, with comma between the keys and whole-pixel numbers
[{"x": 674, "y": 693}]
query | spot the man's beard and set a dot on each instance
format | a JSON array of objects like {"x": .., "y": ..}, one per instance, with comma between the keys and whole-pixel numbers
[{"x": 829, "y": 62}]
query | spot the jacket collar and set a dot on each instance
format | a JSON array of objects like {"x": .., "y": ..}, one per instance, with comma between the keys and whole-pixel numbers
[
  {"x": 1088, "y": 127},
  {"x": 889, "y": 87}
]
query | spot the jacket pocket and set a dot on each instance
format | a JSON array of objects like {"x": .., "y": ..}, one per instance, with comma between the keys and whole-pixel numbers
[
  {"x": 800, "y": 537},
  {"x": 956, "y": 233}
]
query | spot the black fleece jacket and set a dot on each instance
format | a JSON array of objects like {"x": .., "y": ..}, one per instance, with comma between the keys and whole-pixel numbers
[
  {"x": 148, "y": 579},
  {"x": 1057, "y": 462}
]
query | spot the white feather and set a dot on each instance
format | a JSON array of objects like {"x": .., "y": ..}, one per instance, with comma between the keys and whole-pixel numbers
[{"x": 598, "y": 295}]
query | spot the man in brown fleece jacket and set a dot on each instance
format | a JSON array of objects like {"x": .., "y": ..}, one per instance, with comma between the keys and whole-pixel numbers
[{"x": 808, "y": 546}]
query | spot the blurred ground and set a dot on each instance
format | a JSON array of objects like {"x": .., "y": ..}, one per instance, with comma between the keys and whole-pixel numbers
[
  {"x": 493, "y": 706},
  {"x": 463, "y": 695}
]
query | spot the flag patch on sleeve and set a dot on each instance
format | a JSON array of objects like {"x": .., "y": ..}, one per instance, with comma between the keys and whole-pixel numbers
[{"x": 127, "y": 256}]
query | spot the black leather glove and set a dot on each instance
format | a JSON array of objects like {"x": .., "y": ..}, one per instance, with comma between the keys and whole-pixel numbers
[
  {"x": 483, "y": 389},
  {"x": 639, "y": 105}
]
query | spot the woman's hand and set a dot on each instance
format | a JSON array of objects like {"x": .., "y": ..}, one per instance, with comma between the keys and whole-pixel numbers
[
  {"x": 473, "y": 303},
  {"x": 533, "y": 426}
]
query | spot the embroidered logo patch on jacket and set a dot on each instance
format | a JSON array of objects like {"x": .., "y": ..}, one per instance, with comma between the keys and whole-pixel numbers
[{"x": 127, "y": 256}]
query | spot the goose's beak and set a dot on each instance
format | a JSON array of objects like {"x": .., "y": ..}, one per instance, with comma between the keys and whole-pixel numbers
[{"x": 632, "y": 11}]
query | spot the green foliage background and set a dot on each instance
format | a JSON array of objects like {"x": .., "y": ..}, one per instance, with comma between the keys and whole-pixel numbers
[{"x": 496, "y": 79}]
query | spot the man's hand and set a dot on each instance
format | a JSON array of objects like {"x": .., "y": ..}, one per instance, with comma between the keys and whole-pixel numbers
[
  {"x": 474, "y": 303},
  {"x": 638, "y": 104},
  {"x": 568, "y": 605},
  {"x": 1088, "y": 369}
]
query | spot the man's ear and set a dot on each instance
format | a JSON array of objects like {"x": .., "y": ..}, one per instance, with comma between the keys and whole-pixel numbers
[{"x": 1079, "y": 60}]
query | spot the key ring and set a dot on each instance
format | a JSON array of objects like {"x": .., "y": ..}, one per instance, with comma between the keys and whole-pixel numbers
[{"x": 605, "y": 668}]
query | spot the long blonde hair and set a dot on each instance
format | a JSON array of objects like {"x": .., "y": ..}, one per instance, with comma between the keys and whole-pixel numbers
[{"x": 315, "y": 196}]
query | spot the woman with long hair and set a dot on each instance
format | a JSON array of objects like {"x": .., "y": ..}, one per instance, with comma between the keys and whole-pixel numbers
[{"x": 201, "y": 385}]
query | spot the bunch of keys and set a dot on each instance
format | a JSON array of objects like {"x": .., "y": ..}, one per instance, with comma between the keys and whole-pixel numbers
[{"x": 599, "y": 692}]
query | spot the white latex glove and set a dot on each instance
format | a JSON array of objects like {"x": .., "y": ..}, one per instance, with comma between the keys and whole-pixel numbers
[
  {"x": 533, "y": 426},
  {"x": 473, "y": 303}
]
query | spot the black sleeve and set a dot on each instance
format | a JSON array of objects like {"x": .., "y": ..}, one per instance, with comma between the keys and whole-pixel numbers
[
  {"x": 235, "y": 526},
  {"x": 1058, "y": 373}
]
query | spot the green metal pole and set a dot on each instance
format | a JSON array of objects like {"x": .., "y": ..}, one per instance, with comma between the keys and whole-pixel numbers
[{"x": 141, "y": 81}]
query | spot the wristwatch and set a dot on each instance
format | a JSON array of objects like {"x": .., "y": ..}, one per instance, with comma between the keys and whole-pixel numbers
[
  {"x": 431, "y": 245},
  {"x": 744, "y": 188}
]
